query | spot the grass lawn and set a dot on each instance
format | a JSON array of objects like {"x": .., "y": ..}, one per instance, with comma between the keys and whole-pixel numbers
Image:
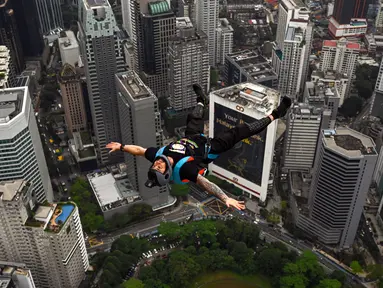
[{"x": 225, "y": 279}]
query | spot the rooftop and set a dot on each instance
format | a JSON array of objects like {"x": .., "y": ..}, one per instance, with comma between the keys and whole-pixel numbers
[
  {"x": 251, "y": 95},
  {"x": 96, "y": 3},
  {"x": 329, "y": 75},
  {"x": 254, "y": 65},
  {"x": 59, "y": 217},
  {"x": 306, "y": 110},
  {"x": 11, "y": 190},
  {"x": 183, "y": 22},
  {"x": 342, "y": 41},
  {"x": 68, "y": 40},
  {"x": 321, "y": 90},
  {"x": 158, "y": 7},
  {"x": 134, "y": 85},
  {"x": 224, "y": 25},
  {"x": 11, "y": 103},
  {"x": 112, "y": 190},
  {"x": 348, "y": 142},
  {"x": 8, "y": 269}
]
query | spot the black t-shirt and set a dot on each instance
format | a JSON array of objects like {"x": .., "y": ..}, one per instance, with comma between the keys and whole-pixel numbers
[{"x": 177, "y": 151}]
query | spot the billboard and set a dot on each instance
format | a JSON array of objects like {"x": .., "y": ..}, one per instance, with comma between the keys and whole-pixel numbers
[{"x": 246, "y": 158}]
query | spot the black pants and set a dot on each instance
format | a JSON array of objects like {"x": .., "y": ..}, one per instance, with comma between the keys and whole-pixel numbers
[{"x": 226, "y": 140}]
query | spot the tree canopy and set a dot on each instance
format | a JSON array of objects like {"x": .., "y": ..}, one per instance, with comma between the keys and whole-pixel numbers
[{"x": 351, "y": 106}]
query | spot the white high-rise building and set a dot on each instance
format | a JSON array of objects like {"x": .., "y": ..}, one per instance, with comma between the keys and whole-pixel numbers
[
  {"x": 69, "y": 49},
  {"x": 50, "y": 15},
  {"x": 288, "y": 10},
  {"x": 207, "y": 19},
  {"x": 342, "y": 175},
  {"x": 247, "y": 165},
  {"x": 292, "y": 61},
  {"x": 188, "y": 64},
  {"x": 340, "y": 56},
  {"x": 103, "y": 55},
  {"x": 20, "y": 145},
  {"x": 47, "y": 238},
  {"x": 224, "y": 40}
]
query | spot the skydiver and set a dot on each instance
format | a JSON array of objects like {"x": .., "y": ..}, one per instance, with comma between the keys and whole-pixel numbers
[{"x": 180, "y": 161}]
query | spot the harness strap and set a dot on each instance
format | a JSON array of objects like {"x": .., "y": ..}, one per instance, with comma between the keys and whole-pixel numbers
[
  {"x": 176, "y": 177},
  {"x": 207, "y": 154}
]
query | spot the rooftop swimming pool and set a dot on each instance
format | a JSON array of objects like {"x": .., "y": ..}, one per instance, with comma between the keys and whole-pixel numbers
[{"x": 66, "y": 210}]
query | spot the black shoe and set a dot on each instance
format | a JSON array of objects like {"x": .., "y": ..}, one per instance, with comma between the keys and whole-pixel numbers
[
  {"x": 282, "y": 108},
  {"x": 201, "y": 96}
]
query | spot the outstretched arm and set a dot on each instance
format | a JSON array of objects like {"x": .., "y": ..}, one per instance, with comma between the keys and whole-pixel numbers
[
  {"x": 217, "y": 192},
  {"x": 131, "y": 149}
]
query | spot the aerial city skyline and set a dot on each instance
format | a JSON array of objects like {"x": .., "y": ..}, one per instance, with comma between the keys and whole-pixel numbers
[{"x": 76, "y": 75}]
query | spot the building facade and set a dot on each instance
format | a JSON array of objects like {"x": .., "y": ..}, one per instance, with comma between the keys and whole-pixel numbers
[
  {"x": 153, "y": 24},
  {"x": 303, "y": 127},
  {"x": 20, "y": 145},
  {"x": 224, "y": 40},
  {"x": 28, "y": 24},
  {"x": 379, "y": 16},
  {"x": 50, "y": 15},
  {"x": 342, "y": 176},
  {"x": 248, "y": 164},
  {"x": 47, "y": 239},
  {"x": 73, "y": 99},
  {"x": 188, "y": 64},
  {"x": 345, "y": 10},
  {"x": 207, "y": 13},
  {"x": 102, "y": 51}
]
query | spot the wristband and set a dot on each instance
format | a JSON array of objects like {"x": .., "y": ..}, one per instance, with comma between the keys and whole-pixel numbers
[{"x": 122, "y": 147}]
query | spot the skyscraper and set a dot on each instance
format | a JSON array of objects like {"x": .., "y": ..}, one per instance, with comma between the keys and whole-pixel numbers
[
  {"x": 153, "y": 24},
  {"x": 288, "y": 10},
  {"x": 188, "y": 64},
  {"x": 248, "y": 164},
  {"x": 102, "y": 50},
  {"x": 342, "y": 176},
  {"x": 28, "y": 24},
  {"x": 292, "y": 61},
  {"x": 304, "y": 124},
  {"x": 126, "y": 16},
  {"x": 50, "y": 15},
  {"x": 140, "y": 125},
  {"x": 9, "y": 35},
  {"x": 22, "y": 152},
  {"x": 224, "y": 39},
  {"x": 207, "y": 13},
  {"x": 73, "y": 99},
  {"x": 48, "y": 238},
  {"x": 340, "y": 56}
]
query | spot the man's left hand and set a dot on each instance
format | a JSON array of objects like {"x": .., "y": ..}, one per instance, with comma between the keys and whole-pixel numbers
[{"x": 240, "y": 205}]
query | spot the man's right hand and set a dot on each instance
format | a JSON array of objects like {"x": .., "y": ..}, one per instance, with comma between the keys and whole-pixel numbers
[{"x": 113, "y": 146}]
